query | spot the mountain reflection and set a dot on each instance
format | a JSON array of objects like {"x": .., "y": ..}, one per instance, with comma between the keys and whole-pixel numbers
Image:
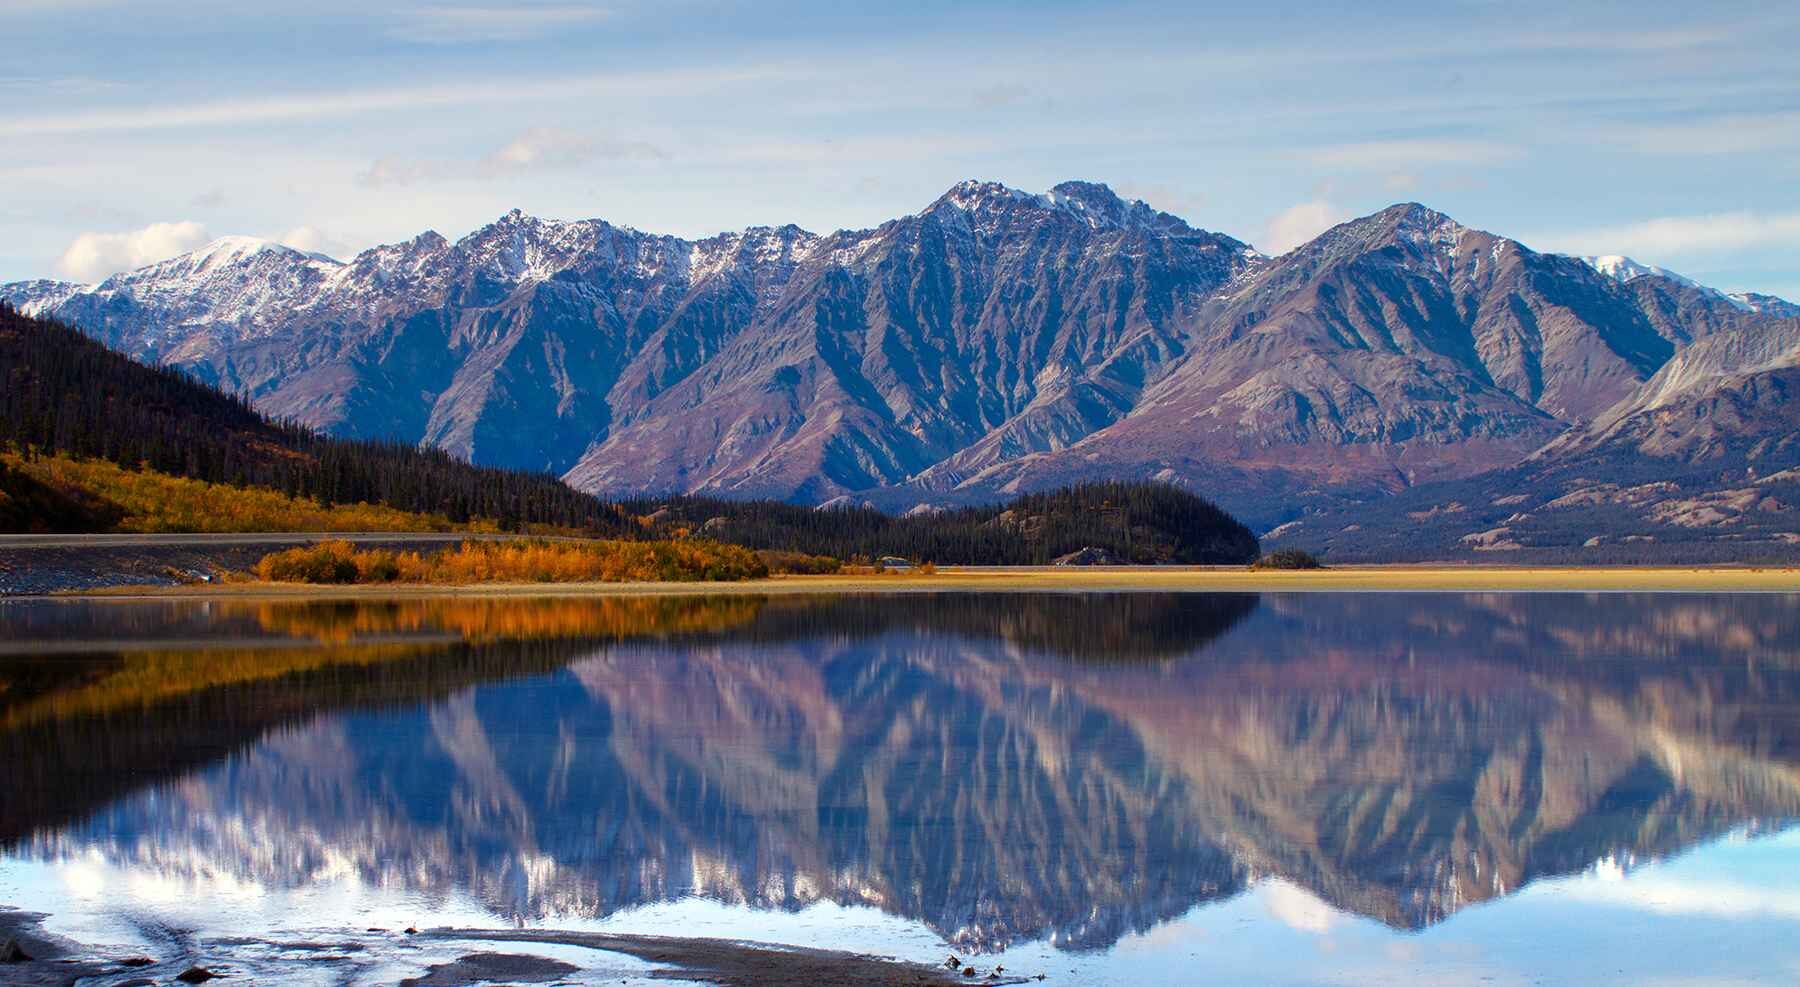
[{"x": 1000, "y": 768}]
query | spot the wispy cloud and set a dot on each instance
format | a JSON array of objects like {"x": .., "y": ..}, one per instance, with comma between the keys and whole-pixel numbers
[
  {"x": 58, "y": 6},
  {"x": 448, "y": 24},
  {"x": 538, "y": 149},
  {"x": 873, "y": 148},
  {"x": 548, "y": 147},
  {"x": 1628, "y": 40},
  {"x": 94, "y": 256},
  {"x": 341, "y": 103},
  {"x": 1730, "y": 133},
  {"x": 1386, "y": 155},
  {"x": 1677, "y": 896},
  {"x": 1682, "y": 236},
  {"x": 1168, "y": 198}
]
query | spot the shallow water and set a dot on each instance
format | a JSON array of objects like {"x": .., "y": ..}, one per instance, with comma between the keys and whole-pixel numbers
[{"x": 1119, "y": 788}]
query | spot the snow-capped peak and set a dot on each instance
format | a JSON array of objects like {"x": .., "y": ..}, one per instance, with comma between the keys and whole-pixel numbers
[
  {"x": 227, "y": 250},
  {"x": 971, "y": 195},
  {"x": 1090, "y": 202},
  {"x": 1621, "y": 268}
]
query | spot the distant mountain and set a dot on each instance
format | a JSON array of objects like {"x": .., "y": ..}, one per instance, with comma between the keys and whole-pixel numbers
[
  {"x": 995, "y": 342},
  {"x": 1394, "y": 349},
  {"x": 1701, "y": 463},
  {"x": 1624, "y": 269}
]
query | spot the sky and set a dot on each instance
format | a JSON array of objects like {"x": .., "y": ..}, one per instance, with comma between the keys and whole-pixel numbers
[{"x": 136, "y": 130}]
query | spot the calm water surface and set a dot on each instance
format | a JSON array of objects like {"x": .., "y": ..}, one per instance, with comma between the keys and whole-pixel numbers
[{"x": 1105, "y": 788}]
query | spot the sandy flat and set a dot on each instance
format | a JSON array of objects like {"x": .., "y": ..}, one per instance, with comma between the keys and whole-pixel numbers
[{"x": 1069, "y": 580}]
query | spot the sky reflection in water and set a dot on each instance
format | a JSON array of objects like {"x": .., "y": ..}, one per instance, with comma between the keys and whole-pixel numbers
[{"x": 1139, "y": 787}]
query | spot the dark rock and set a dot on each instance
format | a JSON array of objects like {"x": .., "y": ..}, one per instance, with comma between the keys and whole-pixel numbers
[
  {"x": 197, "y": 975},
  {"x": 1090, "y": 556},
  {"x": 12, "y": 952}
]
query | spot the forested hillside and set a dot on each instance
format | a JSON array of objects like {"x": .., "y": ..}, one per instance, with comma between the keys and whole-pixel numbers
[
  {"x": 65, "y": 393},
  {"x": 1136, "y": 522}
]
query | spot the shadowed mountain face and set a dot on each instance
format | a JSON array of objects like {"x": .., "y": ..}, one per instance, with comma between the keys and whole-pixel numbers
[
  {"x": 1001, "y": 769},
  {"x": 994, "y": 342},
  {"x": 1703, "y": 460}
]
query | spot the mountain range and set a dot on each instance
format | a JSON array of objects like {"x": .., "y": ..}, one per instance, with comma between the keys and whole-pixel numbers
[{"x": 1000, "y": 341}]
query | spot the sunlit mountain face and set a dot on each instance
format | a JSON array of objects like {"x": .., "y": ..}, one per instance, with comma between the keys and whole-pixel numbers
[{"x": 999, "y": 769}]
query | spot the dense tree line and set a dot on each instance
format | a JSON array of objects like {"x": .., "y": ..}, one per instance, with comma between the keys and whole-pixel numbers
[
  {"x": 1133, "y": 522},
  {"x": 62, "y": 392}
]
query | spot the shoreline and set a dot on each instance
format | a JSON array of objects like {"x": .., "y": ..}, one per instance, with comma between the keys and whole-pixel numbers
[
  {"x": 473, "y": 957},
  {"x": 950, "y": 579}
]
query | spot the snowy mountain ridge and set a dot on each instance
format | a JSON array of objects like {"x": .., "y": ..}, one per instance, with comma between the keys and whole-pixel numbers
[{"x": 994, "y": 342}]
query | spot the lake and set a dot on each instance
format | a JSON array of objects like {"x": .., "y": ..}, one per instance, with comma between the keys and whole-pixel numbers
[{"x": 1126, "y": 788}]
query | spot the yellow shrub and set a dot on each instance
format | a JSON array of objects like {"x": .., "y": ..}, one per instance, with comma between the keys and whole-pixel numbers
[
  {"x": 325, "y": 562},
  {"x": 522, "y": 561},
  {"x": 158, "y": 502}
]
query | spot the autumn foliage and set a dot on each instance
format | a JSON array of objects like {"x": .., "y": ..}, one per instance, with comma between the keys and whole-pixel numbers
[
  {"x": 479, "y": 619},
  {"x": 63, "y": 393},
  {"x": 148, "y": 501},
  {"x": 519, "y": 561}
]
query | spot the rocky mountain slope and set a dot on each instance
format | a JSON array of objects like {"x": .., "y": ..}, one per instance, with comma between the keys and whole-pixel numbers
[
  {"x": 995, "y": 342},
  {"x": 1702, "y": 462}
]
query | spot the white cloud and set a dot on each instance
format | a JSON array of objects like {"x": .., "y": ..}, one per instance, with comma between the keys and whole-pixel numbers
[
  {"x": 1683, "y": 236},
  {"x": 312, "y": 240},
  {"x": 447, "y": 24},
  {"x": 1297, "y": 909},
  {"x": 94, "y": 256},
  {"x": 1670, "y": 895},
  {"x": 1400, "y": 154},
  {"x": 1297, "y": 224}
]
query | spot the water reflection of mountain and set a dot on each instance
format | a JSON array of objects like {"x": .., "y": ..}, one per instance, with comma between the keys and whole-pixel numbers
[{"x": 964, "y": 761}]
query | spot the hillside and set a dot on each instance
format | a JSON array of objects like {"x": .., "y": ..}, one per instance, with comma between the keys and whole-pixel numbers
[
  {"x": 65, "y": 393},
  {"x": 1140, "y": 523}
]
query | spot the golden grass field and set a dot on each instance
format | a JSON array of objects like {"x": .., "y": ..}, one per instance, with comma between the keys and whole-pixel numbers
[{"x": 1445, "y": 578}]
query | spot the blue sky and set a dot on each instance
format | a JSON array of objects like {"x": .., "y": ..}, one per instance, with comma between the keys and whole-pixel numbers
[{"x": 1669, "y": 132}]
